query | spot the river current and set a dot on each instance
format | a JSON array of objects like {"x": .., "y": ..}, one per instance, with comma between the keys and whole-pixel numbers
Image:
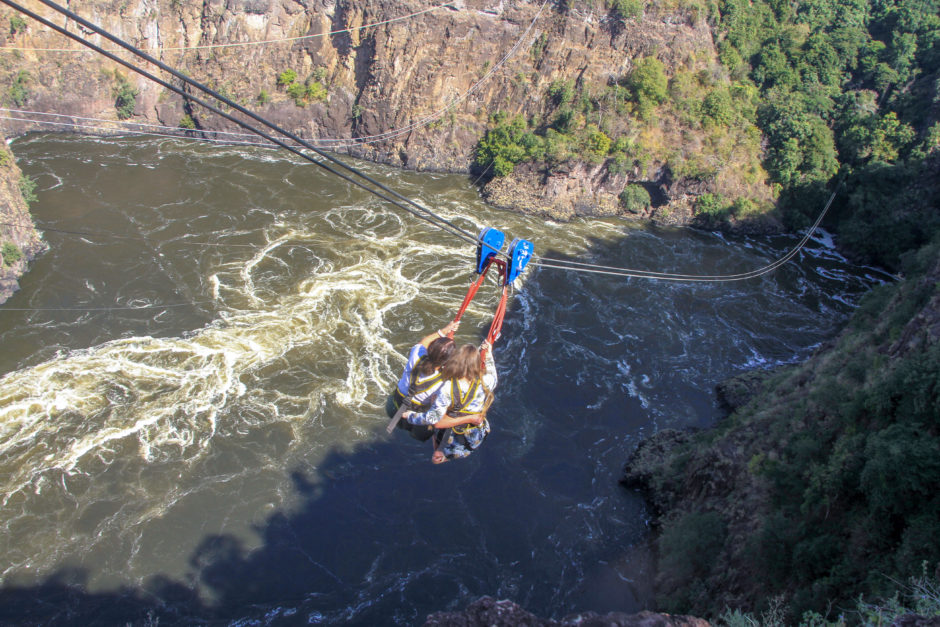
[{"x": 192, "y": 384}]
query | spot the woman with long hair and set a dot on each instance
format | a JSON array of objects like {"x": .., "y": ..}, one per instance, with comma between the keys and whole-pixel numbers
[
  {"x": 421, "y": 380},
  {"x": 461, "y": 403}
]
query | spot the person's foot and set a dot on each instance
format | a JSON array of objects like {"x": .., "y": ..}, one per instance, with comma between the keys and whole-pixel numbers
[{"x": 438, "y": 458}]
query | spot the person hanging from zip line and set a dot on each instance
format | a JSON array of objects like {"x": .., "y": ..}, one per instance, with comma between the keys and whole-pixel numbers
[
  {"x": 458, "y": 413},
  {"x": 421, "y": 380}
]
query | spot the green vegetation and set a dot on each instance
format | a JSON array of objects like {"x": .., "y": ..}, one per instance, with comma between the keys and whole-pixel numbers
[
  {"x": 843, "y": 85},
  {"x": 627, "y": 9},
  {"x": 187, "y": 122},
  {"x": 694, "y": 124},
  {"x": 125, "y": 96},
  {"x": 312, "y": 90},
  {"x": 11, "y": 253},
  {"x": 837, "y": 462},
  {"x": 17, "y": 91},
  {"x": 28, "y": 189},
  {"x": 634, "y": 198},
  {"x": 17, "y": 24},
  {"x": 286, "y": 77},
  {"x": 263, "y": 97},
  {"x": 919, "y": 596}
]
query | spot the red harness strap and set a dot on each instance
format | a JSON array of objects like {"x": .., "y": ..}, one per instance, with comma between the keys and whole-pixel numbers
[
  {"x": 472, "y": 291},
  {"x": 497, "y": 324}
]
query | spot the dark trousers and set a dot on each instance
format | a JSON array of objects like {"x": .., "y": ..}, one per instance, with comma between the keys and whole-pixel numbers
[{"x": 418, "y": 432}]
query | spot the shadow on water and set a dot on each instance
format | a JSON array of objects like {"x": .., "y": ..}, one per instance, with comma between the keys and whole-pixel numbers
[
  {"x": 588, "y": 365},
  {"x": 380, "y": 536}
]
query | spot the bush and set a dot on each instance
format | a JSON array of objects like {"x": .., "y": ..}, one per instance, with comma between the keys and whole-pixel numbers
[
  {"x": 125, "y": 96},
  {"x": 561, "y": 92},
  {"x": 28, "y": 189},
  {"x": 11, "y": 253},
  {"x": 17, "y": 24},
  {"x": 507, "y": 143},
  {"x": 627, "y": 9},
  {"x": 187, "y": 122},
  {"x": 597, "y": 141},
  {"x": 18, "y": 92},
  {"x": 634, "y": 198},
  {"x": 648, "y": 81},
  {"x": 263, "y": 97},
  {"x": 286, "y": 77}
]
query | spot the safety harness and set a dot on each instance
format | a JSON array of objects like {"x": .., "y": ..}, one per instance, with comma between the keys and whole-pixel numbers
[{"x": 417, "y": 385}]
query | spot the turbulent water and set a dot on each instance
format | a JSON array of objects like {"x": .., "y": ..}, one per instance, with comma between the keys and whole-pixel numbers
[{"x": 192, "y": 385}]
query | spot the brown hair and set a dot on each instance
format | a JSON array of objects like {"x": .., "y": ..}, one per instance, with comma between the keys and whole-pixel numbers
[
  {"x": 465, "y": 364},
  {"x": 439, "y": 351}
]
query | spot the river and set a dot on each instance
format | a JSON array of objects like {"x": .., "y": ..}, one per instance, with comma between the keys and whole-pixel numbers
[{"x": 192, "y": 385}]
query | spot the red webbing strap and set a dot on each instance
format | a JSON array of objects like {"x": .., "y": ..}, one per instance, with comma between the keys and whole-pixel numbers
[
  {"x": 497, "y": 324},
  {"x": 470, "y": 294}
]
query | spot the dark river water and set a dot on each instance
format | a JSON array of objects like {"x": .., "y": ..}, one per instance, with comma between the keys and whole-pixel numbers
[{"x": 218, "y": 454}]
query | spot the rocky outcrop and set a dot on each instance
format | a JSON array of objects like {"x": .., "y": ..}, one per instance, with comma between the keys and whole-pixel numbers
[
  {"x": 488, "y": 612},
  {"x": 405, "y": 84},
  {"x": 19, "y": 241}
]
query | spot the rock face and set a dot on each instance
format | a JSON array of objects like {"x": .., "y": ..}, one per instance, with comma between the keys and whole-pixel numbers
[
  {"x": 405, "y": 84},
  {"x": 488, "y": 612},
  {"x": 19, "y": 240}
]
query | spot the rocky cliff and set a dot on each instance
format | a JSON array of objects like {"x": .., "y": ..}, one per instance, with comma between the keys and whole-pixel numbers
[
  {"x": 401, "y": 82},
  {"x": 19, "y": 241},
  {"x": 822, "y": 485}
]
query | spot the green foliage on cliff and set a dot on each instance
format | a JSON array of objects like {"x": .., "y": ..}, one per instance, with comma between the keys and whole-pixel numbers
[
  {"x": 18, "y": 90},
  {"x": 830, "y": 475},
  {"x": 312, "y": 90},
  {"x": 843, "y": 84},
  {"x": 634, "y": 198},
  {"x": 28, "y": 189},
  {"x": 125, "y": 96},
  {"x": 627, "y": 9},
  {"x": 507, "y": 143},
  {"x": 11, "y": 253},
  {"x": 17, "y": 24}
]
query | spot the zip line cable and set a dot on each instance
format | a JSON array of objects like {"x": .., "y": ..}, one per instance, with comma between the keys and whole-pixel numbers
[
  {"x": 422, "y": 212},
  {"x": 574, "y": 266},
  {"x": 425, "y": 214},
  {"x": 257, "y": 43},
  {"x": 428, "y": 214}
]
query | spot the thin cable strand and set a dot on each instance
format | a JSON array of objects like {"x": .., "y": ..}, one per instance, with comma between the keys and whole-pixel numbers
[{"x": 254, "y": 43}]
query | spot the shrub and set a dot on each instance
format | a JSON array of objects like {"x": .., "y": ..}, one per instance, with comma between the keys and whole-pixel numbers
[
  {"x": 597, "y": 141},
  {"x": 17, "y": 24},
  {"x": 263, "y": 97},
  {"x": 125, "y": 96},
  {"x": 627, "y": 9},
  {"x": 18, "y": 92},
  {"x": 315, "y": 92},
  {"x": 187, "y": 122},
  {"x": 286, "y": 77},
  {"x": 561, "y": 92},
  {"x": 500, "y": 147},
  {"x": 649, "y": 85},
  {"x": 28, "y": 189},
  {"x": 11, "y": 253},
  {"x": 717, "y": 107},
  {"x": 634, "y": 198}
]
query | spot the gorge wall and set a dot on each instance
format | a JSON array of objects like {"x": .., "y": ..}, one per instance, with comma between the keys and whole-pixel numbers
[
  {"x": 19, "y": 241},
  {"x": 417, "y": 90}
]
